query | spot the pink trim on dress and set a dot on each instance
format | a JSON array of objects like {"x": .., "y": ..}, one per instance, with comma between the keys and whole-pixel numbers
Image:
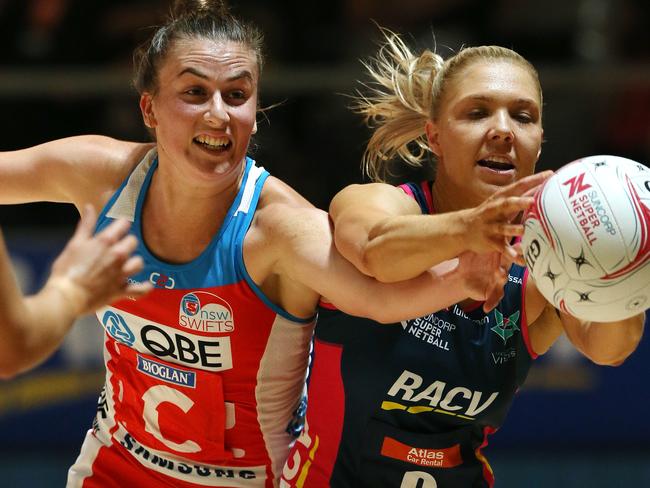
[
  {"x": 427, "y": 193},
  {"x": 524, "y": 319},
  {"x": 406, "y": 189}
]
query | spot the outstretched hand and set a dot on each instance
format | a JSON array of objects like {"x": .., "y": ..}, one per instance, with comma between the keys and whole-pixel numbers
[
  {"x": 492, "y": 224},
  {"x": 92, "y": 271}
]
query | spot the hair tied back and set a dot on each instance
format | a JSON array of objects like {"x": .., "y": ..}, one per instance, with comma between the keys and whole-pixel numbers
[{"x": 189, "y": 8}]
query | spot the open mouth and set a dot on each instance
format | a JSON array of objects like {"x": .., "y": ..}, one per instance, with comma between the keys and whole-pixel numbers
[
  {"x": 496, "y": 164},
  {"x": 216, "y": 144}
]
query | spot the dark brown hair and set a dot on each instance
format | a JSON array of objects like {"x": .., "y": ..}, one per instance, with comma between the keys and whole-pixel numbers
[{"x": 191, "y": 19}]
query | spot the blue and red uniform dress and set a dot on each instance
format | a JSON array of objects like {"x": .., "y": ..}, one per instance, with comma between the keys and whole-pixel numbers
[
  {"x": 204, "y": 374},
  {"x": 411, "y": 404}
]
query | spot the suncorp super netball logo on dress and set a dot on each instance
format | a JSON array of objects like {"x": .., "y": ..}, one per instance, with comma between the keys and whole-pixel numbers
[{"x": 205, "y": 312}]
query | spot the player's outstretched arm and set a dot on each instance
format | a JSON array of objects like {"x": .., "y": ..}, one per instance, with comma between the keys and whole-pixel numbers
[
  {"x": 305, "y": 253},
  {"x": 605, "y": 343},
  {"x": 381, "y": 231},
  {"x": 90, "y": 272}
]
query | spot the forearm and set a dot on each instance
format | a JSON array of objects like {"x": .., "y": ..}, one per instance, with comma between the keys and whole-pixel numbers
[
  {"x": 605, "y": 343},
  {"x": 403, "y": 247},
  {"x": 437, "y": 288},
  {"x": 35, "y": 330}
]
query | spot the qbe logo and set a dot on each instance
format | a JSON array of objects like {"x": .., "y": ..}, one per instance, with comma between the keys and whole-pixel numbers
[{"x": 206, "y": 312}]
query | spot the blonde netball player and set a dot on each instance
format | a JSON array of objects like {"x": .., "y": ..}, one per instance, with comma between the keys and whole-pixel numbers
[{"x": 413, "y": 405}]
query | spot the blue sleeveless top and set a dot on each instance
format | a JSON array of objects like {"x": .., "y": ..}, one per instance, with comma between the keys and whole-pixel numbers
[{"x": 203, "y": 344}]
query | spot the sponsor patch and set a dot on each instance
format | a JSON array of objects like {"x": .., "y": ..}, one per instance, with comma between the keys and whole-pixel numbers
[
  {"x": 162, "y": 281},
  {"x": 449, "y": 457},
  {"x": 116, "y": 326},
  {"x": 167, "y": 373},
  {"x": 192, "y": 472},
  {"x": 205, "y": 312},
  {"x": 168, "y": 343},
  {"x": 410, "y": 393}
]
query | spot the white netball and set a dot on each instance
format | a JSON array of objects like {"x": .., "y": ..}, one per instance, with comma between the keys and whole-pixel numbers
[{"x": 587, "y": 238}]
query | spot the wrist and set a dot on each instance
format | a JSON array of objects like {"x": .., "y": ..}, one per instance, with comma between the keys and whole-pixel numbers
[
  {"x": 455, "y": 279},
  {"x": 460, "y": 225},
  {"x": 68, "y": 294}
]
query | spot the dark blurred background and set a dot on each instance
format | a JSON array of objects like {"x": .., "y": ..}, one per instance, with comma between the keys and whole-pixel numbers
[{"x": 65, "y": 69}]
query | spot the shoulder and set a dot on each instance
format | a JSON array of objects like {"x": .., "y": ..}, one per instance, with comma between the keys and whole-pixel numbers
[
  {"x": 379, "y": 197},
  {"x": 103, "y": 156},
  {"x": 75, "y": 170},
  {"x": 284, "y": 213},
  {"x": 100, "y": 164}
]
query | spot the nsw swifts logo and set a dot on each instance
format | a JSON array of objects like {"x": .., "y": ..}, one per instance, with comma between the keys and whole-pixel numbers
[{"x": 205, "y": 312}]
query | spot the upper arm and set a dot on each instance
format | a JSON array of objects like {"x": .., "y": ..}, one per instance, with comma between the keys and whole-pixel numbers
[
  {"x": 308, "y": 256},
  {"x": 72, "y": 170},
  {"x": 358, "y": 211}
]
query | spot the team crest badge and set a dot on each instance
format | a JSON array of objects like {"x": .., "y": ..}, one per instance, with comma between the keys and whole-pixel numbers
[{"x": 505, "y": 327}]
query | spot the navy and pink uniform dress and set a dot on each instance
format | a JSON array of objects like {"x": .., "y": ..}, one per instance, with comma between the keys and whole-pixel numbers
[{"x": 411, "y": 405}]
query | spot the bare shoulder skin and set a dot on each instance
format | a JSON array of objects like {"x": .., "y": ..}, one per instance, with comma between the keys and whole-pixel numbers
[
  {"x": 78, "y": 170},
  {"x": 283, "y": 217}
]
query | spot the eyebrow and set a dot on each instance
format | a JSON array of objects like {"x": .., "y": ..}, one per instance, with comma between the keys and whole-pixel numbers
[
  {"x": 518, "y": 101},
  {"x": 236, "y": 76}
]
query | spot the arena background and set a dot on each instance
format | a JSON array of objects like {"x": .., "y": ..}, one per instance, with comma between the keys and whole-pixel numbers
[{"x": 65, "y": 70}]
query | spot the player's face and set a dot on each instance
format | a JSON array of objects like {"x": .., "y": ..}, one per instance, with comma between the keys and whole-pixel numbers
[
  {"x": 204, "y": 110},
  {"x": 488, "y": 132}
]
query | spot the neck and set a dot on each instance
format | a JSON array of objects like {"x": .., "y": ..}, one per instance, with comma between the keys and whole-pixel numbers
[
  {"x": 446, "y": 198},
  {"x": 179, "y": 220}
]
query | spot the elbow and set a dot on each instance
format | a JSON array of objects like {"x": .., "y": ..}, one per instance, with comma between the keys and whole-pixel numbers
[
  {"x": 609, "y": 360},
  {"x": 383, "y": 318},
  {"x": 13, "y": 354},
  {"x": 9, "y": 369},
  {"x": 617, "y": 356},
  {"x": 376, "y": 264}
]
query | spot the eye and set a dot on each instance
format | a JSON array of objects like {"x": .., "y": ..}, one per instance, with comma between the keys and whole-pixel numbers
[
  {"x": 195, "y": 91},
  {"x": 237, "y": 96},
  {"x": 477, "y": 113},
  {"x": 523, "y": 117}
]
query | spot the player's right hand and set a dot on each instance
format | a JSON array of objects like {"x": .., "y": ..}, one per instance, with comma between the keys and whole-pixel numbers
[
  {"x": 492, "y": 224},
  {"x": 92, "y": 270}
]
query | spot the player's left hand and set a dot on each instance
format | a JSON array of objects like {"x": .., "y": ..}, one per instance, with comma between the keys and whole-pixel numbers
[{"x": 92, "y": 270}]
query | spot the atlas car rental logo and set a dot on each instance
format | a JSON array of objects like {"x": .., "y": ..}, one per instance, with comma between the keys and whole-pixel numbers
[{"x": 205, "y": 312}]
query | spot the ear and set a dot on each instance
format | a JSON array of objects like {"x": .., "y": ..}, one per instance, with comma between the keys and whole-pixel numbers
[
  {"x": 539, "y": 151},
  {"x": 146, "y": 107},
  {"x": 433, "y": 137},
  {"x": 254, "y": 131}
]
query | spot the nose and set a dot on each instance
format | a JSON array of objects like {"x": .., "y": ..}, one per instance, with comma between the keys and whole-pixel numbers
[
  {"x": 216, "y": 113},
  {"x": 501, "y": 130}
]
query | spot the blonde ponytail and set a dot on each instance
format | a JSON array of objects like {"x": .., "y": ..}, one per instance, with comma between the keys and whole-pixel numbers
[
  {"x": 397, "y": 105},
  {"x": 405, "y": 91}
]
